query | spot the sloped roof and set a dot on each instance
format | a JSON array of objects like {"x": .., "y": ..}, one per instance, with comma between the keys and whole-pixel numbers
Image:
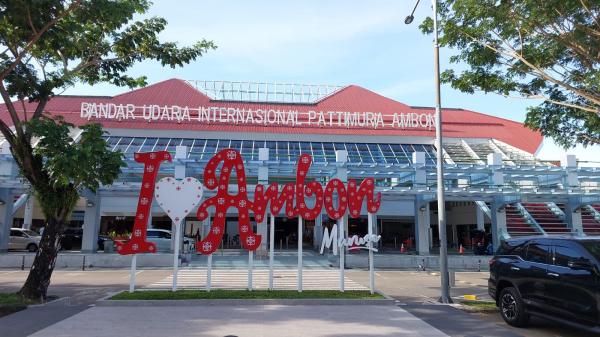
[{"x": 457, "y": 123}]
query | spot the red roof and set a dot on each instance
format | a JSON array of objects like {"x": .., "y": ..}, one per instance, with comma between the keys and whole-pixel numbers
[{"x": 457, "y": 123}]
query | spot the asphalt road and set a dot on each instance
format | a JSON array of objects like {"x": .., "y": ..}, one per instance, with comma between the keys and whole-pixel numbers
[{"x": 416, "y": 292}]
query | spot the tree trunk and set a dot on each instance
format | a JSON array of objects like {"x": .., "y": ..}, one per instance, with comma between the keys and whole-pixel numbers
[{"x": 36, "y": 285}]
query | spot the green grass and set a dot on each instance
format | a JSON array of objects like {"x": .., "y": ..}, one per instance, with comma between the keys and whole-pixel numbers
[
  {"x": 243, "y": 294},
  {"x": 10, "y": 303},
  {"x": 480, "y": 305}
]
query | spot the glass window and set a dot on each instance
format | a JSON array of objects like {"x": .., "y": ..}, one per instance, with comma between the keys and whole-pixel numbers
[
  {"x": 16, "y": 233},
  {"x": 537, "y": 253},
  {"x": 305, "y": 148},
  {"x": 173, "y": 143},
  {"x": 592, "y": 246},
  {"x": 152, "y": 234},
  {"x": 148, "y": 145},
  {"x": 272, "y": 146},
  {"x": 30, "y": 232},
  {"x": 236, "y": 145},
  {"x": 294, "y": 151},
  {"x": 329, "y": 152},
  {"x": 210, "y": 149},
  {"x": 512, "y": 248},
  {"x": 161, "y": 144},
  {"x": 376, "y": 153},
  {"x": 282, "y": 151},
  {"x": 136, "y": 144},
  {"x": 562, "y": 255},
  {"x": 353, "y": 154},
  {"x": 222, "y": 144},
  {"x": 317, "y": 150},
  {"x": 123, "y": 144}
]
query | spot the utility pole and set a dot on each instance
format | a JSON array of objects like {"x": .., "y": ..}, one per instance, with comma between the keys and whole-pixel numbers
[{"x": 441, "y": 200}]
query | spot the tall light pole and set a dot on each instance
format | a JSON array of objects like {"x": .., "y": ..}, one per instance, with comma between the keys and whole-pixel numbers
[{"x": 441, "y": 202}]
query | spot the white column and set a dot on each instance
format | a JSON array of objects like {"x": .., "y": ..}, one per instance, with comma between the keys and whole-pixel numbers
[
  {"x": 91, "y": 223},
  {"x": 28, "y": 212},
  {"x": 480, "y": 218},
  {"x": 318, "y": 232},
  {"x": 494, "y": 161},
  {"x": 422, "y": 225},
  {"x": 6, "y": 218},
  {"x": 149, "y": 224},
  {"x": 569, "y": 163},
  {"x": 422, "y": 215}
]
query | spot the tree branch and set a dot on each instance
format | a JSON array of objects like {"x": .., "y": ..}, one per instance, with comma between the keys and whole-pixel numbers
[{"x": 36, "y": 37}]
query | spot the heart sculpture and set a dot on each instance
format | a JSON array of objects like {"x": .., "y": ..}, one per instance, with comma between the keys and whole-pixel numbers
[{"x": 178, "y": 197}]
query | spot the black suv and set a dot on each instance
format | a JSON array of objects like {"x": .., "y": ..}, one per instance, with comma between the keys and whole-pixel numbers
[{"x": 554, "y": 277}]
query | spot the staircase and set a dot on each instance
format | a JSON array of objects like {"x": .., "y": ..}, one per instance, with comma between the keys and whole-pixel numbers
[
  {"x": 517, "y": 224},
  {"x": 548, "y": 220},
  {"x": 590, "y": 219}
]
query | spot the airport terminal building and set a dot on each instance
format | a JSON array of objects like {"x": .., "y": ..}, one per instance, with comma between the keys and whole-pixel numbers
[{"x": 493, "y": 180}]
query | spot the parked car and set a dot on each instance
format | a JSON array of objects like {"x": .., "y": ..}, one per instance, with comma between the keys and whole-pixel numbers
[
  {"x": 21, "y": 238},
  {"x": 73, "y": 237},
  {"x": 162, "y": 239},
  {"x": 554, "y": 277}
]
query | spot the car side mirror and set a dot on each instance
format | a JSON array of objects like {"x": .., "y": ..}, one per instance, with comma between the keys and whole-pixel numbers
[{"x": 581, "y": 265}]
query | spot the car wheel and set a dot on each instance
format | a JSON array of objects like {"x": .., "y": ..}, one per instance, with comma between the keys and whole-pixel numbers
[
  {"x": 512, "y": 308},
  {"x": 32, "y": 247}
]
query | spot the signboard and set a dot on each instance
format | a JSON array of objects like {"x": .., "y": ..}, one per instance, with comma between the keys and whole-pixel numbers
[
  {"x": 255, "y": 117},
  {"x": 291, "y": 199}
]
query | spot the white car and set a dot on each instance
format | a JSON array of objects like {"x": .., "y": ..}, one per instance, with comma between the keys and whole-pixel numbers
[
  {"x": 162, "y": 239},
  {"x": 21, "y": 238}
]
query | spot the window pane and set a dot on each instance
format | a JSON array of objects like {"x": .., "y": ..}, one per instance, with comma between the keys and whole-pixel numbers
[
  {"x": 537, "y": 253},
  {"x": 562, "y": 255},
  {"x": 148, "y": 145}
]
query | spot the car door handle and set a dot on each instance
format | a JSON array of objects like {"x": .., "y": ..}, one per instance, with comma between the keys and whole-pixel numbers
[
  {"x": 553, "y": 274},
  {"x": 515, "y": 268}
]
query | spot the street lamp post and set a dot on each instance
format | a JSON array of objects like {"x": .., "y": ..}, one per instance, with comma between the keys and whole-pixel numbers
[{"x": 441, "y": 202}]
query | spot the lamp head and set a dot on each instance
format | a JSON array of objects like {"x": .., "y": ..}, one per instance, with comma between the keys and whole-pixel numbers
[{"x": 409, "y": 19}]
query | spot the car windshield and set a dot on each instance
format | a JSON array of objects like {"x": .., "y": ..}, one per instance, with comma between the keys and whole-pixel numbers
[
  {"x": 30, "y": 232},
  {"x": 593, "y": 246}
]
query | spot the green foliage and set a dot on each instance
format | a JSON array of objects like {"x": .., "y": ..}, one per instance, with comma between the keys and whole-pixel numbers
[
  {"x": 243, "y": 294},
  {"x": 47, "y": 46},
  {"x": 536, "y": 49},
  {"x": 85, "y": 163}
]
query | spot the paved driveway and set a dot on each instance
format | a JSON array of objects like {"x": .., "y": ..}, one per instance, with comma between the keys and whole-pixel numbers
[{"x": 243, "y": 321}]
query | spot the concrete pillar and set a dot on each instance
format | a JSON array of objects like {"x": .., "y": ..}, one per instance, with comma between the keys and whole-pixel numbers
[
  {"x": 494, "y": 161},
  {"x": 422, "y": 225},
  {"x": 569, "y": 163},
  {"x": 318, "y": 232},
  {"x": 454, "y": 235},
  {"x": 149, "y": 224},
  {"x": 6, "y": 218},
  {"x": 573, "y": 215},
  {"x": 28, "y": 212},
  {"x": 480, "y": 218},
  {"x": 422, "y": 212},
  {"x": 498, "y": 222},
  {"x": 263, "y": 179},
  {"x": 91, "y": 224}
]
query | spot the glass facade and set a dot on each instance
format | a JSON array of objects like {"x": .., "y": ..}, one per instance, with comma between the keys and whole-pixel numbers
[{"x": 281, "y": 151}]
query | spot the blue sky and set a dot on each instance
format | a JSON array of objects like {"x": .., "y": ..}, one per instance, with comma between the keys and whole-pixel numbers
[{"x": 313, "y": 42}]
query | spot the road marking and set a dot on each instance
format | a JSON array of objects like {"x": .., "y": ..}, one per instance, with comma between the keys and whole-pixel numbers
[{"x": 238, "y": 279}]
